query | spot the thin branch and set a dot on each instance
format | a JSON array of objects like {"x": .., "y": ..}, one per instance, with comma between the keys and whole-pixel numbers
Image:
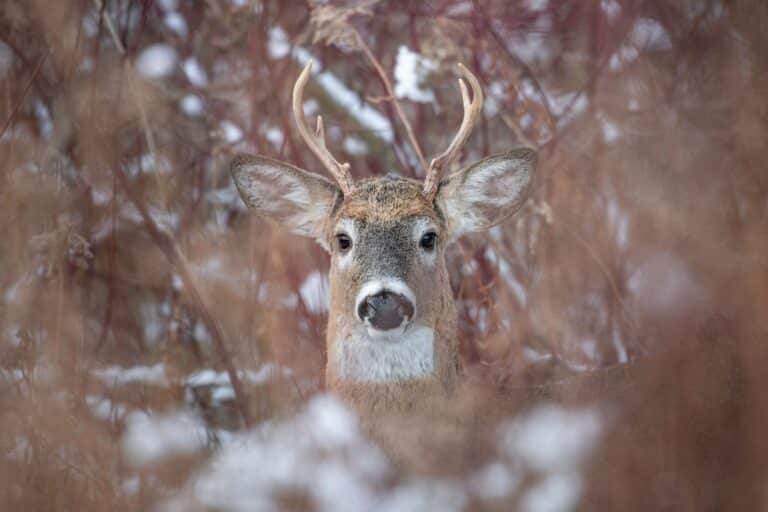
[
  {"x": 518, "y": 62},
  {"x": 110, "y": 26},
  {"x": 173, "y": 254},
  {"x": 25, "y": 92},
  {"x": 391, "y": 93}
]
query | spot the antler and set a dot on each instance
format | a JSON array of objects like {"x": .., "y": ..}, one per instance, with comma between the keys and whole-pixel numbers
[
  {"x": 471, "y": 111},
  {"x": 316, "y": 142}
]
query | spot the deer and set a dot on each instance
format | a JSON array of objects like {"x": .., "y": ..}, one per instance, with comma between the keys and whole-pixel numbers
[{"x": 391, "y": 337}]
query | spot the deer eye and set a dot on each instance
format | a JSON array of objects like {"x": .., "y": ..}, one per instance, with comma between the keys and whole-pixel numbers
[
  {"x": 428, "y": 240},
  {"x": 343, "y": 242}
]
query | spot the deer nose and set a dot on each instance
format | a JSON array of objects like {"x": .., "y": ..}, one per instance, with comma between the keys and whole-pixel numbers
[{"x": 385, "y": 310}]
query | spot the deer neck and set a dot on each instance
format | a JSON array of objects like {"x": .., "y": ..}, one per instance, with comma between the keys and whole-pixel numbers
[{"x": 394, "y": 374}]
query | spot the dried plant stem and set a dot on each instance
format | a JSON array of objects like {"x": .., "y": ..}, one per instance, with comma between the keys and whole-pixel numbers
[
  {"x": 391, "y": 96},
  {"x": 171, "y": 249},
  {"x": 27, "y": 87},
  {"x": 110, "y": 26}
]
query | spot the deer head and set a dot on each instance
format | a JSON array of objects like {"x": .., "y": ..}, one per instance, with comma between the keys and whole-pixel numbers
[{"x": 392, "y": 316}]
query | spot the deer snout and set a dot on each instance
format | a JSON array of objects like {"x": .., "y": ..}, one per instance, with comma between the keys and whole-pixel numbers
[
  {"x": 384, "y": 306},
  {"x": 385, "y": 310}
]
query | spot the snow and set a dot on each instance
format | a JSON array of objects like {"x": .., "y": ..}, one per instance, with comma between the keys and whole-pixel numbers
[
  {"x": 619, "y": 222},
  {"x": 101, "y": 197},
  {"x": 624, "y": 55},
  {"x": 612, "y": 8},
  {"x": 494, "y": 481},
  {"x": 118, "y": 375},
  {"x": 556, "y": 493},
  {"x": 231, "y": 132},
  {"x": 611, "y": 131},
  {"x": 210, "y": 377},
  {"x": 618, "y": 344},
  {"x": 150, "y": 438},
  {"x": 131, "y": 485},
  {"x": 505, "y": 270},
  {"x": 422, "y": 495},
  {"x": 551, "y": 438},
  {"x": 278, "y": 45},
  {"x": 195, "y": 72},
  {"x": 650, "y": 34},
  {"x": 314, "y": 292},
  {"x": 43, "y": 118},
  {"x": 321, "y": 454},
  {"x": 275, "y": 136},
  {"x": 554, "y": 442},
  {"x": 537, "y": 5},
  {"x": 662, "y": 284},
  {"x": 104, "y": 409},
  {"x": 355, "y": 146},
  {"x": 494, "y": 95},
  {"x": 11, "y": 294},
  {"x": 192, "y": 105},
  {"x": 176, "y": 22},
  {"x": 147, "y": 163},
  {"x": 168, "y": 5},
  {"x": 532, "y": 45},
  {"x": 165, "y": 220},
  {"x": 200, "y": 333},
  {"x": 157, "y": 61},
  {"x": 410, "y": 71},
  {"x": 348, "y": 100},
  {"x": 11, "y": 375},
  {"x": 311, "y": 107}
]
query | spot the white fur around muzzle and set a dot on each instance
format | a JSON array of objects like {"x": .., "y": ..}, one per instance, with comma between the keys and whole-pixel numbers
[{"x": 378, "y": 286}]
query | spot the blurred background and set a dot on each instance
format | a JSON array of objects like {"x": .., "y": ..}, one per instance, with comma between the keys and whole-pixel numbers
[{"x": 148, "y": 324}]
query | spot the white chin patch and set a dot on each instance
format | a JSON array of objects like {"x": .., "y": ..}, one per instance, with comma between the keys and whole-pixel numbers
[{"x": 386, "y": 356}]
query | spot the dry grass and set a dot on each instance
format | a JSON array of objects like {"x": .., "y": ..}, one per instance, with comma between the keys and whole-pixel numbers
[{"x": 637, "y": 274}]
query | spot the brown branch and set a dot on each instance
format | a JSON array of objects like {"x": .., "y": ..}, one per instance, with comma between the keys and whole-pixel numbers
[
  {"x": 25, "y": 92},
  {"x": 391, "y": 92},
  {"x": 173, "y": 254}
]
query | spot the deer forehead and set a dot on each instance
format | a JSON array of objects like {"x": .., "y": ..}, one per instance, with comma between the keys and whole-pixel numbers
[{"x": 387, "y": 200}]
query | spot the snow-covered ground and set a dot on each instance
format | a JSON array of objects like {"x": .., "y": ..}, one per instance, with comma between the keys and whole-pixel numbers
[{"x": 322, "y": 457}]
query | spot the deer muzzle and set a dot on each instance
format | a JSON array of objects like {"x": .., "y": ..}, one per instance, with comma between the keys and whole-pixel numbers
[{"x": 385, "y": 307}]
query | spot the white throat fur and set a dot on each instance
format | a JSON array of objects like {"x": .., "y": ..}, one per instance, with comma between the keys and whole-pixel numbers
[{"x": 363, "y": 359}]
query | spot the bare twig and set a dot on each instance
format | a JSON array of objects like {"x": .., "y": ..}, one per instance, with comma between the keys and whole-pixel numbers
[
  {"x": 110, "y": 26},
  {"x": 391, "y": 93},
  {"x": 172, "y": 252},
  {"x": 24, "y": 94}
]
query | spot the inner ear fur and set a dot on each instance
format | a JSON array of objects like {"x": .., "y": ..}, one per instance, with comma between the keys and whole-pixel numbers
[
  {"x": 486, "y": 192},
  {"x": 297, "y": 199}
]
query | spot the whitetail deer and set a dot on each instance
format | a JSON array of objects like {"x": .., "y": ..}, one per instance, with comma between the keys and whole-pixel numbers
[{"x": 391, "y": 335}]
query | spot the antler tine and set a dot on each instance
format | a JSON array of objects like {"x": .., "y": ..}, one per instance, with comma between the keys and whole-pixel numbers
[
  {"x": 316, "y": 142},
  {"x": 471, "y": 111}
]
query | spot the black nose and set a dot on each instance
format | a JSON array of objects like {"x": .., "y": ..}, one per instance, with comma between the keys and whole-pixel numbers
[{"x": 385, "y": 310}]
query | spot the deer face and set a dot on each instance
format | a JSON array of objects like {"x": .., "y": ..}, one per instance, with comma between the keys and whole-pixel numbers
[{"x": 387, "y": 238}]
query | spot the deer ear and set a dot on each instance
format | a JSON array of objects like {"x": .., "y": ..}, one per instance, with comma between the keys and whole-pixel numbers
[
  {"x": 297, "y": 199},
  {"x": 486, "y": 192}
]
